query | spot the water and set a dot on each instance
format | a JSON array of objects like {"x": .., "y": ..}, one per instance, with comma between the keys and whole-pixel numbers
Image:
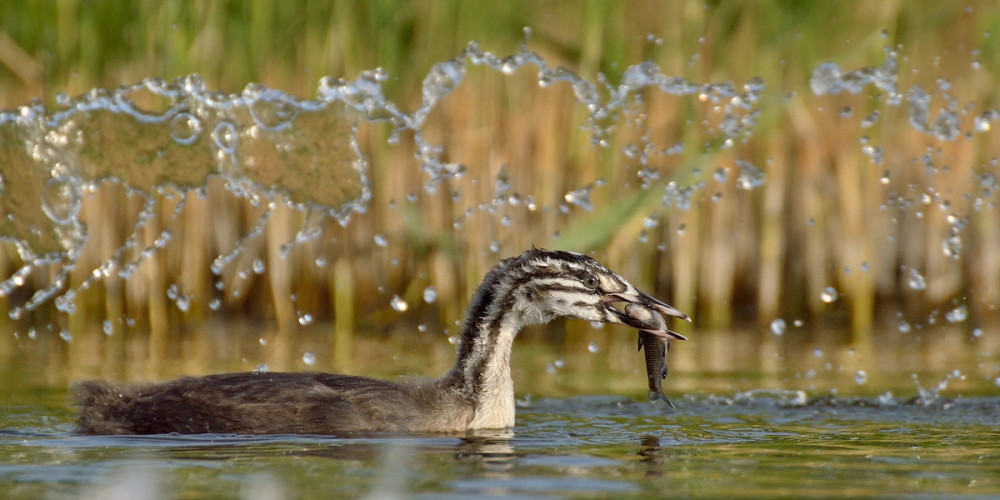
[
  {"x": 784, "y": 420},
  {"x": 586, "y": 446},
  {"x": 393, "y": 175},
  {"x": 607, "y": 447},
  {"x": 166, "y": 140},
  {"x": 868, "y": 185}
]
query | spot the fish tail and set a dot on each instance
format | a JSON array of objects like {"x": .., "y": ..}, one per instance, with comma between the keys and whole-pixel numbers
[{"x": 654, "y": 396}]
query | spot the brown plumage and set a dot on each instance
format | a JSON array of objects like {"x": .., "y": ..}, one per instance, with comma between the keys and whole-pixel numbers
[
  {"x": 267, "y": 403},
  {"x": 478, "y": 393}
]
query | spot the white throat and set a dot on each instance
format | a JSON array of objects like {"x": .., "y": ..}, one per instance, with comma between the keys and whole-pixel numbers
[{"x": 495, "y": 404}]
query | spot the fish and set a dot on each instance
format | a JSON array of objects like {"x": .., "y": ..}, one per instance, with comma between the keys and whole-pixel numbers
[{"x": 657, "y": 349}]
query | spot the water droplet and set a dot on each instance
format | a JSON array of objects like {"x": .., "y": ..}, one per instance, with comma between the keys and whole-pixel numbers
[
  {"x": 65, "y": 303},
  {"x": 258, "y": 266},
  {"x": 818, "y": 353},
  {"x": 309, "y": 358},
  {"x": 952, "y": 246},
  {"x": 580, "y": 197},
  {"x": 800, "y": 398},
  {"x": 861, "y": 377},
  {"x": 398, "y": 303},
  {"x": 421, "y": 328},
  {"x": 778, "y": 326},
  {"x": 495, "y": 247},
  {"x": 173, "y": 292},
  {"x": 262, "y": 341},
  {"x": 430, "y": 294},
  {"x": 876, "y": 154},
  {"x": 185, "y": 128},
  {"x": 870, "y": 120},
  {"x": 183, "y": 303},
  {"x": 829, "y": 295},
  {"x": 65, "y": 335},
  {"x": 441, "y": 80},
  {"x": 916, "y": 280},
  {"x": 593, "y": 347},
  {"x": 977, "y": 332},
  {"x": 61, "y": 199},
  {"x": 224, "y": 135},
  {"x": 320, "y": 262},
  {"x": 261, "y": 368},
  {"x": 380, "y": 241},
  {"x": 904, "y": 327},
  {"x": 750, "y": 176},
  {"x": 989, "y": 182},
  {"x": 958, "y": 314},
  {"x": 721, "y": 174},
  {"x": 108, "y": 327},
  {"x": 272, "y": 110},
  {"x": 305, "y": 319},
  {"x": 214, "y": 304}
]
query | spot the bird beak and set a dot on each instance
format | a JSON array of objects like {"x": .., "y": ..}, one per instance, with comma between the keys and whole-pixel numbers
[{"x": 650, "y": 303}]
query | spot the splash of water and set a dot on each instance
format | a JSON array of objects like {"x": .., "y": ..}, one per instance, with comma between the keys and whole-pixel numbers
[
  {"x": 266, "y": 144},
  {"x": 829, "y": 78},
  {"x": 167, "y": 138}
]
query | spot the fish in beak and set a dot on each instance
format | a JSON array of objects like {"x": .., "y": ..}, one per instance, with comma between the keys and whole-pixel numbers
[
  {"x": 657, "y": 329},
  {"x": 656, "y": 351}
]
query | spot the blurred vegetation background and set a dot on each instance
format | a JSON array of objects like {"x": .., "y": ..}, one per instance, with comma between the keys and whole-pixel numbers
[{"x": 827, "y": 215}]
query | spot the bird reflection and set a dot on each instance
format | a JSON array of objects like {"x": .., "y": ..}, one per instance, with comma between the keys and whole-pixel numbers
[
  {"x": 652, "y": 455},
  {"x": 493, "y": 449}
]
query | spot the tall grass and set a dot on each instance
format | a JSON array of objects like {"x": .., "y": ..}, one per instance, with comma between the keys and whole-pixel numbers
[{"x": 824, "y": 218}]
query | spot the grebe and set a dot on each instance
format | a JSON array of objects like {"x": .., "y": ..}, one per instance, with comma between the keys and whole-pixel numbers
[{"x": 477, "y": 393}]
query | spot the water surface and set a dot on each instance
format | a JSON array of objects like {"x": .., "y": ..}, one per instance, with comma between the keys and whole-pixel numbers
[
  {"x": 579, "y": 446},
  {"x": 800, "y": 430}
]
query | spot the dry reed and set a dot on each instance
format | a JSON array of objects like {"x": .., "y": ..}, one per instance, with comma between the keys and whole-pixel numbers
[{"x": 824, "y": 218}]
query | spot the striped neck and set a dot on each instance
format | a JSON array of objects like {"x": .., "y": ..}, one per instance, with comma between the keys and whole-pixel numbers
[
  {"x": 533, "y": 288},
  {"x": 481, "y": 375}
]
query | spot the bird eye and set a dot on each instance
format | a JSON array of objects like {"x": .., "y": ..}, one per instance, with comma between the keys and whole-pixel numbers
[{"x": 591, "y": 281}]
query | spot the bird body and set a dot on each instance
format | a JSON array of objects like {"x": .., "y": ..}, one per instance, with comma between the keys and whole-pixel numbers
[
  {"x": 477, "y": 393},
  {"x": 270, "y": 403}
]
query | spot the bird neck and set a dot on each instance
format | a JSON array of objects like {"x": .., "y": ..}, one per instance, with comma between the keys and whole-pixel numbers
[{"x": 481, "y": 375}]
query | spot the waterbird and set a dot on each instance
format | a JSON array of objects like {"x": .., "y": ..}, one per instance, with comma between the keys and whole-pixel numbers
[
  {"x": 476, "y": 394},
  {"x": 657, "y": 349}
]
